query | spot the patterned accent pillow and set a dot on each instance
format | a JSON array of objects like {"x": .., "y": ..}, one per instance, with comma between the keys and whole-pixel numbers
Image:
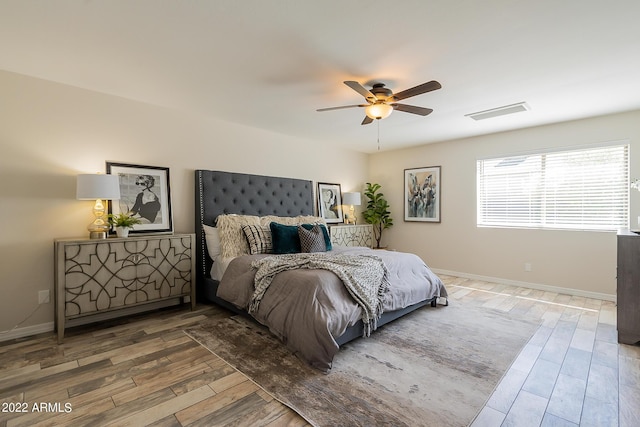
[
  {"x": 312, "y": 240},
  {"x": 325, "y": 231},
  {"x": 258, "y": 238}
]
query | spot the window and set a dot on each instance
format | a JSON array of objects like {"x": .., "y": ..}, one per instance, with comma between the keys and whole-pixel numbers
[{"x": 583, "y": 189}]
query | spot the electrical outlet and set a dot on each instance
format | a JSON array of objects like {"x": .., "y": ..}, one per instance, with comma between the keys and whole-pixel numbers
[
  {"x": 43, "y": 297},
  {"x": 527, "y": 266}
]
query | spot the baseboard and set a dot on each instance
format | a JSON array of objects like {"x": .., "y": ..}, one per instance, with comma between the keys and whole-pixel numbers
[
  {"x": 50, "y": 326},
  {"x": 27, "y": 331},
  {"x": 538, "y": 286}
]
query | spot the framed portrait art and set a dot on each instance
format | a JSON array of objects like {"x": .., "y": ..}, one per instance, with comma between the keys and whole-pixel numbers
[
  {"x": 422, "y": 194},
  {"x": 144, "y": 194},
  {"x": 330, "y": 202}
]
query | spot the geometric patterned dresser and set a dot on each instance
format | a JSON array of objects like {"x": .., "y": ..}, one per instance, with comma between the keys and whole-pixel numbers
[
  {"x": 352, "y": 235},
  {"x": 97, "y": 276}
]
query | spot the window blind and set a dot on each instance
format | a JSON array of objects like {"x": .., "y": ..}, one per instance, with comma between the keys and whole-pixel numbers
[{"x": 585, "y": 189}]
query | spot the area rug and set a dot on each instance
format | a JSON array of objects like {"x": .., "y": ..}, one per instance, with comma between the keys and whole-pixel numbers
[{"x": 433, "y": 367}]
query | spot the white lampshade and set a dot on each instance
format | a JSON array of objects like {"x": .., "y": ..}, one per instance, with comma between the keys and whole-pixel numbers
[
  {"x": 98, "y": 186},
  {"x": 351, "y": 199},
  {"x": 378, "y": 111}
]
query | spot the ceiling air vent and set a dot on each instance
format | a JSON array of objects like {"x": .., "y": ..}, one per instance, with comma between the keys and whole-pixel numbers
[{"x": 500, "y": 111}]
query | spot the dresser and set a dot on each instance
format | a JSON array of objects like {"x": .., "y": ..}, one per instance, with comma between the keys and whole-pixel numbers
[
  {"x": 96, "y": 279},
  {"x": 352, "y": 235},
  {"x": 628, "y": 287}
]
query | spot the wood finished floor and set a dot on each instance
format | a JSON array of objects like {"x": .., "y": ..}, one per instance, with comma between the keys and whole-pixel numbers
[{"x": 145, "y": 371}]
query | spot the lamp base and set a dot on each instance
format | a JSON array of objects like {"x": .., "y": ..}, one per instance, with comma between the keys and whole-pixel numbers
[
  {"x": 98, "y": 235},
  {"x": 99, "y": 228},
  {"x": 352, "y": 216}
]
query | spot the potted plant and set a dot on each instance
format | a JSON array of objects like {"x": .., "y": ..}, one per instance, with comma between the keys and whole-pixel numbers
[
  {"x": 122, "y": 222},
  {"x": 377, "y": 212}
]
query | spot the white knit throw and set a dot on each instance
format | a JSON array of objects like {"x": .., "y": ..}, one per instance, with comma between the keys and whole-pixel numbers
[{"x": 364, "y": 276}]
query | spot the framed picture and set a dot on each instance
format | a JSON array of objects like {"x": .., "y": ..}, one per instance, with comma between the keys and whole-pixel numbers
[
  {"x": 330, "y": 202},
  {"x": 422, "y": 194},
  {"x": 144, "y": 194}
]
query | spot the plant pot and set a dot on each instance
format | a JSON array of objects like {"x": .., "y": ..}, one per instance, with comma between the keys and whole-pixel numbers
[{"x": 122, "y": 231}]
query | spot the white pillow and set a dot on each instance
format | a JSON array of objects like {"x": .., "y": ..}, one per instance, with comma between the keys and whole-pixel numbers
[{"x": 212, "y": 238}]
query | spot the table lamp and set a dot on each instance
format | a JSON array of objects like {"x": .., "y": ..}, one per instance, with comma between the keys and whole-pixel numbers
[
  {"x": 98, "y": 187},
  {"x": 351, "y": 199}
]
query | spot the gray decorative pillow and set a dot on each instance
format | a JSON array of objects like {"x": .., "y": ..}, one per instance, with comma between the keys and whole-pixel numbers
[
  {"x": 258, "y": 238},
  {"x": 312, "y": 240}
]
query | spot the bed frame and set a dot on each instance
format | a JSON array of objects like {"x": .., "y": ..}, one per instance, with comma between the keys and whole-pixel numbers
[{"x": 218, "y": 193}]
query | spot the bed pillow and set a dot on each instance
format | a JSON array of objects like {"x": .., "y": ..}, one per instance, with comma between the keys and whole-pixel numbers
[
  {"x": 292, "y": 220},
  {"x": 285, "y": 238},
  {"x": 284, "y": 220},
  {"x": 309, "y": 219},
  {"x": 258, "y": 238},
  {"x": 233, "y": 242},
  {"x": 212, "y": 237},
  {"x": 312, "y": 240},
  {"x": 325, "y": 233}
]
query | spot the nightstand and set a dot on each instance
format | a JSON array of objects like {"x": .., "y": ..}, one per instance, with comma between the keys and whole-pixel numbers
[
  {"x": 352, "y": 235},
  {"x": 98, "y": 279}
]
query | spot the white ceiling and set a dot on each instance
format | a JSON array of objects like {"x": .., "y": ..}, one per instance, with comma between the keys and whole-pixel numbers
[{"x": 271, "y": 63}]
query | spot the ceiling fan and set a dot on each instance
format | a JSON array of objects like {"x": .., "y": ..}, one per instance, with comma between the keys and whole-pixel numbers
[{"x": 381, "y": 101}]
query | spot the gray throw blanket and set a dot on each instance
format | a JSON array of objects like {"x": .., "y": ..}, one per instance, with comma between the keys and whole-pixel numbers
[{"x": 364, "y": 276}]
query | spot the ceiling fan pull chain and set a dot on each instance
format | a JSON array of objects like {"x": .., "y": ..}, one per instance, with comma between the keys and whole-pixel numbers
[{"x": 378, "y": 134}]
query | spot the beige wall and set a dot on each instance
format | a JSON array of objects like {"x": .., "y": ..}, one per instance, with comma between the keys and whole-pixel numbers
[
  {"x": 49, "y": 133},
  {"x": 581, "y": 261}
]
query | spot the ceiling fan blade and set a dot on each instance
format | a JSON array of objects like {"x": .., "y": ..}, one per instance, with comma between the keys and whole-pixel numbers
[
  {"x": 360, "y": 89},
  {"x": 340, "y": 108},
  {"x": 422, "y": 111},
  {"x": 367, "y": 120},
  {"x": 417, "y": 90}
]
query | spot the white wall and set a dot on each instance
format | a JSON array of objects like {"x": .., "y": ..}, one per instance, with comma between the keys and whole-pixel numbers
[
  {"x": 582, "y": 261},
  {"x": 49, "y": 133}
]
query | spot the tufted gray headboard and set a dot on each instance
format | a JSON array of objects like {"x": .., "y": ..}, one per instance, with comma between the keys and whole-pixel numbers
[{"x": 228, "y": 192}]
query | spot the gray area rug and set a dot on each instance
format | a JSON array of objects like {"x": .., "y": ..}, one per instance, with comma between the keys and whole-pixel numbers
[{"x": 433, "y": 367}]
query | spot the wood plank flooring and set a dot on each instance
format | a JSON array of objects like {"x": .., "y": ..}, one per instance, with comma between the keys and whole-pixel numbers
[
  {"x": 571, "y": 373},
  {"x": 140, "y": 371},
  {"x": 144, "y": 370}
]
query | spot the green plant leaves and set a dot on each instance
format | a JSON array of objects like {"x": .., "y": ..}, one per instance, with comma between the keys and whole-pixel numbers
[{"x": 377, "y": 212}]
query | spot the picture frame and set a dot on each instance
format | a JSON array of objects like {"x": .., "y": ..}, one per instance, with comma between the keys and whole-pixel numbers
[
  {"x": 330, "y": 202},
  {"x": 422, "y": 197},
  {"x": 144, "y": 193}
]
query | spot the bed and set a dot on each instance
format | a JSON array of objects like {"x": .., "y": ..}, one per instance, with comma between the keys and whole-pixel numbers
[{"x": 298, "y": 304}]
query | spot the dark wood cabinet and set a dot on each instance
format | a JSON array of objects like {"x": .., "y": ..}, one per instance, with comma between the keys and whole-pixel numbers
[{"x": 628, "y": 287}]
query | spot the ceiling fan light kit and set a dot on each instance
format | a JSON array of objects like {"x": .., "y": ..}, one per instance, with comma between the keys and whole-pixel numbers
[
  {"x": 378, "y": 111},
  {"x": 381, "y": 101}
]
